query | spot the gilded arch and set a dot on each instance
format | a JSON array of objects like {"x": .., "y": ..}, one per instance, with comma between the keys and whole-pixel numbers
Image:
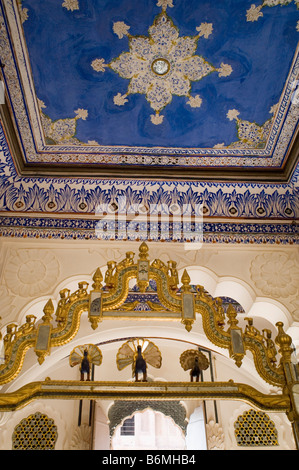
[{"x": 109, "y": 298}]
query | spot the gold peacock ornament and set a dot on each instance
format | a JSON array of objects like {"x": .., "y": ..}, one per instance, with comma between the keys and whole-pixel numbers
[
  {"x": 195, "y": 361},
  {"x": 86, "y": 355},
  {"x": 138, "y": 352}
]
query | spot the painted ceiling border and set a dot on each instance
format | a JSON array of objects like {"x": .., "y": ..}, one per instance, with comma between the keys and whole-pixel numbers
[
  {"x": 62, "y": 208},
  {"x": 245, "y": 233}
]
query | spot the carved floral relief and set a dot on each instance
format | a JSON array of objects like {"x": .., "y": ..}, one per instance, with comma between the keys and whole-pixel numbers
[
  {"x": 275, "y": 274},
  {"x": 215, "y": 436},
  {"x": 31, "y": 272}
]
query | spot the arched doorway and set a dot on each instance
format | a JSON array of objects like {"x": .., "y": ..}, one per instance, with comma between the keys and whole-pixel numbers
[
  {"x": 148, "y": 429},
  {"x": 155, "y": 425}
]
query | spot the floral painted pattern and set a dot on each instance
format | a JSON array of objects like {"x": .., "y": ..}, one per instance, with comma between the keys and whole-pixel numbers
[
  {"x": 71, "y": 4},
  {"x": 250, "y": 134},
  {"x": 62, "y": 130},
  {"x": 254, "y": 12},
  {"x": 264, "y": 203},
  {"x": 235, "y": 154},
  {"x": 161, "y": 65}
]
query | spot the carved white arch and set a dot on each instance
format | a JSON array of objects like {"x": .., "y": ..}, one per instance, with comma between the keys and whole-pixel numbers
[{"x": 243, "y": 293}]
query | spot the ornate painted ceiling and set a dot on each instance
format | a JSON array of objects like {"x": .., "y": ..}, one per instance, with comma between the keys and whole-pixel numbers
[
  {"x": 162, "y": 88},
  {"x": 162, "y": 102}
]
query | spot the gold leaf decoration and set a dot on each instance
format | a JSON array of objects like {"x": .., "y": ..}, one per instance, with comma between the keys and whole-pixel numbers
[
  {"x": 187, "y": 359},
  {"x": 93, "y": 353},
  {"x": 127, "y": 353}
]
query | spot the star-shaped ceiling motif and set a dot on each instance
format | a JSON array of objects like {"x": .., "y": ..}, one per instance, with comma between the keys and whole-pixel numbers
[{"x": 162, "y": 64}]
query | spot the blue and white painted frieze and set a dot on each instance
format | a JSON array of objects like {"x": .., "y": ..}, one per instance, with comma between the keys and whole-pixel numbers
[{"x": 232, "y": 212}]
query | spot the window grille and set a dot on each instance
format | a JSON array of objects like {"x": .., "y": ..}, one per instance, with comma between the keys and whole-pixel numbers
[
  {"x": 254, "y": 428},
  {"x": 36, "y": 432}
]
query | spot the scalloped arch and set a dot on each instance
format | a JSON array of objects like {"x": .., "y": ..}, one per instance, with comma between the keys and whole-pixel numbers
[{"x": 242, "y": 292}]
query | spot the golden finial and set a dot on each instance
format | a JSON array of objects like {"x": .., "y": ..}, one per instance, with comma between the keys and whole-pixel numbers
[
  {"x": 48, "y": 311},
  {"x": 97, "y": 280},
  {"x": 143, "y": 251},
  {"x": 284, "y": 342},
  {"x": 185, "y": 281},
  {"x": 232, "y": 316}
]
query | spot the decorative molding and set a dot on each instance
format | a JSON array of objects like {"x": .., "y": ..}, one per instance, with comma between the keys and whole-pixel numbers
[
  {"x": 151, "y": 391},
  {"x": 82, "y": 196},
  {"x": 85, "y": 229}
]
